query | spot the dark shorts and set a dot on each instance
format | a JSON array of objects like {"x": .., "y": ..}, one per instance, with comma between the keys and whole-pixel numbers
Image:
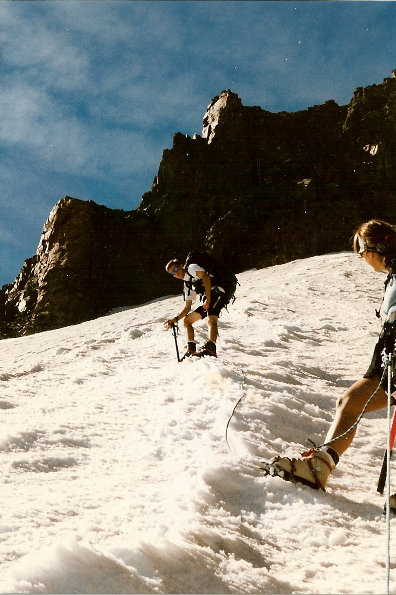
[
  {"x": 376, "y": 366},
  {"x": 217, "y": 303}
]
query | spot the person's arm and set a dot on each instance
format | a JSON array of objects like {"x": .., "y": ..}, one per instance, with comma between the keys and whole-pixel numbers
[
  {"x": 182, "y": 314},
  {"x": 207, "y": 285}
]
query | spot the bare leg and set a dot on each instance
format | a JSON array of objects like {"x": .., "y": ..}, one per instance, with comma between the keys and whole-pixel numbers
[
  {"x": 188, "y": 322},
  {"x": 350, "y": 406},
  {"x": 212, "y": 325}
]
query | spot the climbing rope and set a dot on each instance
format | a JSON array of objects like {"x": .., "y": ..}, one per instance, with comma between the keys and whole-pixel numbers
[
  {"x": 353, "y": 426},
  {"x": 388, "y": 367},
  {"x": 232, "y": 414}
]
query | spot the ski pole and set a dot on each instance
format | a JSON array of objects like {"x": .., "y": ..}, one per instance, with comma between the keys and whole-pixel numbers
[
  {"x": 388, "y": 453},
  {"x": 175, "y": 330}
]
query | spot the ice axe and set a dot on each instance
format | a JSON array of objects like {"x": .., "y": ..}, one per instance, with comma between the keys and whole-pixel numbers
[{"x": 175, "y": 331}]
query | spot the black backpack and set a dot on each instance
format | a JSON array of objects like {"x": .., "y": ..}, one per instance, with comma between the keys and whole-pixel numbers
[{"x": 221, "y": 276}]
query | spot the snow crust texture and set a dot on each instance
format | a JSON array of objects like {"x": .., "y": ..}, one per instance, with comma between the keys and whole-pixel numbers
[{"x": 116, "y": 475}]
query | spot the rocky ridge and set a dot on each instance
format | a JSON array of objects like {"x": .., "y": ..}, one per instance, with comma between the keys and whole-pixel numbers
[{"x": 256, "y": 188}]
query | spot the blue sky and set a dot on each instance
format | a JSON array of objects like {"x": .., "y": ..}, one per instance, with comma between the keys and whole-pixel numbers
[{"x": 93, "y": 92}]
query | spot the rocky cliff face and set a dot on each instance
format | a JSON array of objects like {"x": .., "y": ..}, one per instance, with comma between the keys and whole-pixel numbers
[
  {"x": 257, "y": 188},
  {"x": 89, "y": 260}
]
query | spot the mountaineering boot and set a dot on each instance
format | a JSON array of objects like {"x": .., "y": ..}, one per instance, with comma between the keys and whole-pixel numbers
[
  {"x": 191, "y": 349},
  {"x": 313, "y": 469},
  {"x": 208, "y": 349}
]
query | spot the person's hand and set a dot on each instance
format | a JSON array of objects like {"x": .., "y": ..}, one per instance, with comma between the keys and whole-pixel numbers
[
  {"x": 206, "y": 305},
  {"x": 170, "y": 322}
]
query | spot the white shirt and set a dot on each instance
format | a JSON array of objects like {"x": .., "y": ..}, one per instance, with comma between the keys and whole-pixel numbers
[
  {"x": 388, "y": 307},
  {"x": 190, "y": 294}
]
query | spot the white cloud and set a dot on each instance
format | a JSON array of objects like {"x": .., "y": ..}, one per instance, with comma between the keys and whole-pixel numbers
[
  {"x": 39, "y": 52},
  {"x": 35, "y": 121},
  {"x": 81, "y": 108}
]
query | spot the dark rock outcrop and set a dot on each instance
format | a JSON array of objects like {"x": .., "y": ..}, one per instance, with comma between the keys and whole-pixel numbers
[
  {"x": 89, "y": 260},
  {"x": 257, "y": 188}
]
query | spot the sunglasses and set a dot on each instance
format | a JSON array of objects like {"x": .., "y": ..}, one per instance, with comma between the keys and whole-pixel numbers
[{"x": 174, "y": 271}]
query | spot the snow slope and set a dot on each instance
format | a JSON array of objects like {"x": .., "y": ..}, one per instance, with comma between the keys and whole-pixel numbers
[{"x": 116, "y": 476}]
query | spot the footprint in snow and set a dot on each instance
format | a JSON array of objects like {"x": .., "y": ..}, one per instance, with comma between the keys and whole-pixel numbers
[
  {"x": 46, "y": 465},
  {"x": 6, "y": 405}
]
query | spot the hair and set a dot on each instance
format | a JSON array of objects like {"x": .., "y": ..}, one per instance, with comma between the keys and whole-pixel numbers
[
  {"x": 175, "y": 262},
  {"x": 379, "y": 236}
]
